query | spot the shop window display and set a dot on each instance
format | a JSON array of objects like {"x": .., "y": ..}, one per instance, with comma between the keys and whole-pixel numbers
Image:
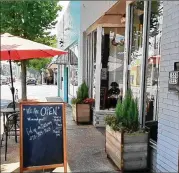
[{"x": 112, "y": 67}]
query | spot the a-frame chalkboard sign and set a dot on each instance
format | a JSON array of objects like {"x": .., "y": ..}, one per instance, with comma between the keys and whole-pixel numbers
[{"x": 42, "y": 136}]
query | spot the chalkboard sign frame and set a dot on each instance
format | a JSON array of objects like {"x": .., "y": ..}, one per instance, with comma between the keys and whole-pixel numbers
[{"x": 43, "y": 167}]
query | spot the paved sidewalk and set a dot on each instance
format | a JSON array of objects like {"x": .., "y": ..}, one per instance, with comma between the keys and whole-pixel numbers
[{"x": 86, "y": 150}]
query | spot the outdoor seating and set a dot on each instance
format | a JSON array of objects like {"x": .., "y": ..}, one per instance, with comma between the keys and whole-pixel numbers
[
  {"x": 10, "y": 105},
  {"x": 11, "y": 124},
  {"x": 11, "y": 127},
  {"x": 11, "y": 120}
]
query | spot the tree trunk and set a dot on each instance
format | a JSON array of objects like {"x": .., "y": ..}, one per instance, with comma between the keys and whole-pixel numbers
[{"x": 23, "y": 80}]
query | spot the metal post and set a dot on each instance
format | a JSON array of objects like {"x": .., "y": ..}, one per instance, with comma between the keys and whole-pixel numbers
[{"x": 12, "y": 88}]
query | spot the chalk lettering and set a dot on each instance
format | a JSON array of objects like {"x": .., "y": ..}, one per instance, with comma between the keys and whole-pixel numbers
[
  {"x": 47, "y": 129},
  {"x": 29, "y": 110},
  {"x": 43, "y": 111},
  {"x": 36, "y": 111},
  {"x": 48, "y": 111}
]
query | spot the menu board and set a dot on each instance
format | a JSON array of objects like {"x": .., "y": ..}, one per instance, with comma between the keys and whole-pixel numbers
[{"x": 43, "y": 135}]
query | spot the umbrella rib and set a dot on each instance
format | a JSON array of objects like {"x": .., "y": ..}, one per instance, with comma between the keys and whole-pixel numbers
[{"x": 18, "y": 55}]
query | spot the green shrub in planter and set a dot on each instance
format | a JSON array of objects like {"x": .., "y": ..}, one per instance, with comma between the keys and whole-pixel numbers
[
  {"x": 126, "y": 144},
  {"x": 82, "y": 94},
  {"x": 126, "y": 116},
  {"x": 81, "y": 110}
]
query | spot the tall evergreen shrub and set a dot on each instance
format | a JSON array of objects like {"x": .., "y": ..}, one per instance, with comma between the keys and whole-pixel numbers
[{"x": 126, "y": 114}]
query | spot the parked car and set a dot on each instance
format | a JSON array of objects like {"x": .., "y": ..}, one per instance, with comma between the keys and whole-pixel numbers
[{"x": 31, "y": 81}]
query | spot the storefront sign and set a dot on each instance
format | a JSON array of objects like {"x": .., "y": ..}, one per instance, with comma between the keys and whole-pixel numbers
[{"x": 42, "y": 136}]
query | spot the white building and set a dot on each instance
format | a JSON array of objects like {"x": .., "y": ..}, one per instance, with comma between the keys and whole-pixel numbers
[{"x": 141, "y": 62}]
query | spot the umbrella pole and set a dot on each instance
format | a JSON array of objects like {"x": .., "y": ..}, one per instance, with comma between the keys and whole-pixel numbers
[{"x": 12, "y": 88}]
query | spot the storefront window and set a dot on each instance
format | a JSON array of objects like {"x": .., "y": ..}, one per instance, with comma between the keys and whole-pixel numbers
[
  {"x": 154, "y": 56},
  {"x": 91, "y": 62},
  {"x": 137, "y": 13},
  {"x": 112, "y": 67},
  {"x": 73, "y": 70},
  {"x": 94, "y": 62}
]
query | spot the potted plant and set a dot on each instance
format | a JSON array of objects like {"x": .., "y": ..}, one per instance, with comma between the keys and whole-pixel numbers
[
  {"x": 126, "y": 143},
  {"x": 81, "y": 105}
]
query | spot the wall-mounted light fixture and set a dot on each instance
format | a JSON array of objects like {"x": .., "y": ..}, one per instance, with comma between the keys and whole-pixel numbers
[{"x": 61, "y": 42}]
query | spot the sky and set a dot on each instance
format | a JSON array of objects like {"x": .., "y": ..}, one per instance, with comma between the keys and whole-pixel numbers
[{"x": 64, "y": 5}]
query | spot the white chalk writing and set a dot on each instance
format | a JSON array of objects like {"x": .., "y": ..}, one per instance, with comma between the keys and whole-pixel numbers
[{"x": 43, "y": 120}]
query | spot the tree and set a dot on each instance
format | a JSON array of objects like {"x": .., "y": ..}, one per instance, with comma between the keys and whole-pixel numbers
[
  {"x": 30, "y": 20},
  {"x": 38, "y": 64}
]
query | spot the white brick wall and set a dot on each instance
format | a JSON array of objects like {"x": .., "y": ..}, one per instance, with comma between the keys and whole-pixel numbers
[{"x": 168, "y": 129}]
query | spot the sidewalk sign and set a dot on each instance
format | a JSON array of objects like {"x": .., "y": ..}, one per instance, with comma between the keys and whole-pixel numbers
[{"x": 42, "y": 136}]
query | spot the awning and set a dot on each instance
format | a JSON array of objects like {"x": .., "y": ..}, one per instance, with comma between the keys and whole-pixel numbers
[
  {"x": 73, "y": 59},
  {"x": 61, "y": 60},
  {"x": 52, "y": 66},
  {"x": 112, "y": 17}
]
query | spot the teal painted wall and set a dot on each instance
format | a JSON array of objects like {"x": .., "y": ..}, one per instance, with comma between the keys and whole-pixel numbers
[{"x": 66, "y": 84}]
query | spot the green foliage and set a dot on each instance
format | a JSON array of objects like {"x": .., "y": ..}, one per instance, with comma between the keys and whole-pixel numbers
[
  {"x": 75, "y": 101},
  {"x": 30, "y": 20},
  {"x": 126, "y": 115},
  {"x": 155, "y": 13},
  {"x": 82, "y": 94},
  {"x": 112, "y": 121},
  {"x": 39, "y": 63}
]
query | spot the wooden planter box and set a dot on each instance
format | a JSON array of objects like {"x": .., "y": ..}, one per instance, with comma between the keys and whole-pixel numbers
[
  {"x": 128, "y": 151},
  {"x": 81, "y": 113}
]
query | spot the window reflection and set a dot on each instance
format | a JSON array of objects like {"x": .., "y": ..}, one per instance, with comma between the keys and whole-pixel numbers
[
  {"x": 94, "y": 62},
  {"x": 112, "y": 67},
  {"x": 73, "y": 71},
  {"x": 137, "y": 13},
  {"x": 154, "y": 56}
]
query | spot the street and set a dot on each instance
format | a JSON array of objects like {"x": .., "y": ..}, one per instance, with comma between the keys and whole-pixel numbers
[{"x": 33, "y": 92}]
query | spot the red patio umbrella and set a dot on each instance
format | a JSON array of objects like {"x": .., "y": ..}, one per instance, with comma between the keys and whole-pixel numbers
[{"x": 17, "y": 48}]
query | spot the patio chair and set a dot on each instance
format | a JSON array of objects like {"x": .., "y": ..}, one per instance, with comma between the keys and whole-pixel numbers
[
  {"x": 11, "y": 105},
  {"x": 12, "y": 125}
]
